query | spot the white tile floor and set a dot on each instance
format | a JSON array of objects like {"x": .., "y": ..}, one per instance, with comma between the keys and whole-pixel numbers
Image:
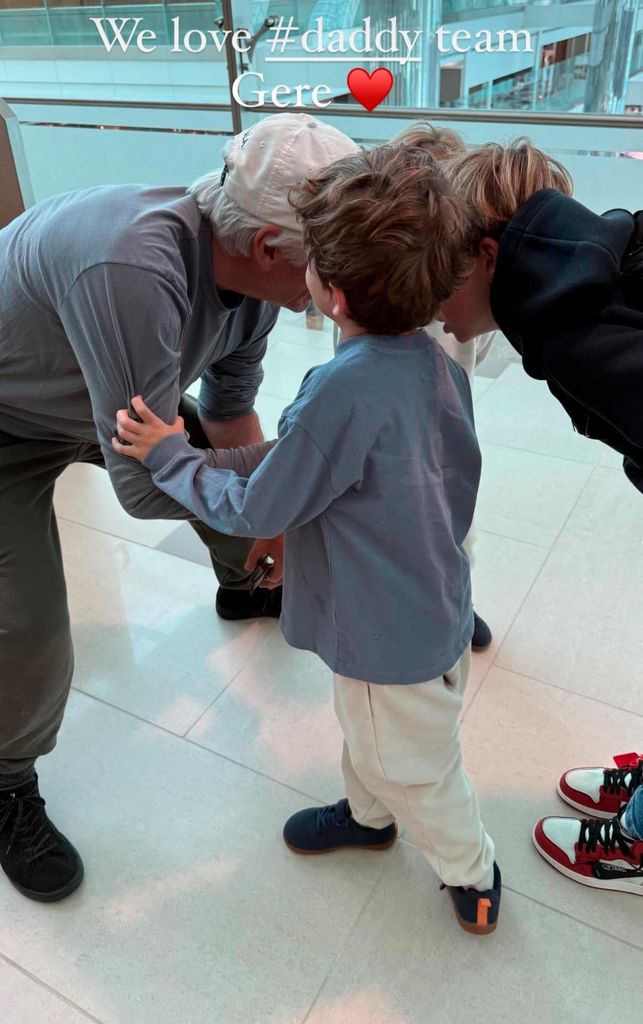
[{"x": 188, "y": 741}]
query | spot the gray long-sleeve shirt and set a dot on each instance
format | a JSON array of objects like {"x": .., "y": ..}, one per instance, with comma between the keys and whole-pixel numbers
[
  {"x": 109, "y": 292},
  {"x": 373, "y": 479}
]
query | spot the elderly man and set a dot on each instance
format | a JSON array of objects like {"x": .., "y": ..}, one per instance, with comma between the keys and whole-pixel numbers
[{"x": 106, "y": 293}]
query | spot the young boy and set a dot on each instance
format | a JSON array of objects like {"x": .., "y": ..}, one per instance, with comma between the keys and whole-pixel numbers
[{"x": 373, "y": 480}]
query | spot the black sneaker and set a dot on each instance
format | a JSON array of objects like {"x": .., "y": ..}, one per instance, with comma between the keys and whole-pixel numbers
[
  {"x": 37, "y": 859},
  {"x": 322, "y": 829},
  {"x": 241, "y": 604},
  {"x": 482, "y": 636},
  {"x": 477, "y": 912}
]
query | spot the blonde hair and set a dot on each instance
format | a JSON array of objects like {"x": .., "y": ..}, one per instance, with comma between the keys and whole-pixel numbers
[
  {"x": 497, "y": 179},
  {"x": 440, "y": 142}
]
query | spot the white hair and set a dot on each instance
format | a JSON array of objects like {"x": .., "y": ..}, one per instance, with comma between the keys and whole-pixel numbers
[{"x": 234, "y": 227}]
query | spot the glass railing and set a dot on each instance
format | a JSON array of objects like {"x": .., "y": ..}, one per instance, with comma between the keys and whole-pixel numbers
[
  {"x": 557, "y": 88},
  {"x": 64, "y": 23},
  {"x": 514, "y": 92},
  {"x": 70, "y": 25},
  {"x": 468, "y": 6},
  {"x": 563, "y": 86},
  {"x": 637, "y": 54},
  {"x": 113, "y": 144}
]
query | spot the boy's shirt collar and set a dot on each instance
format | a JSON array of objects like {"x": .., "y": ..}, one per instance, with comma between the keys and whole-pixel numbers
[{"x": 401, "y": 344}]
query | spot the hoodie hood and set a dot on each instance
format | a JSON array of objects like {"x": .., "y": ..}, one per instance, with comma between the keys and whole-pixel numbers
[{"x": 557, "y": 263}]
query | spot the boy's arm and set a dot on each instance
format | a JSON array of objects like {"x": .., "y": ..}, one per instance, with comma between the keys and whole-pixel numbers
[
  {"x": 243, "y": 460},
  {"x": 292, "y": 485}
]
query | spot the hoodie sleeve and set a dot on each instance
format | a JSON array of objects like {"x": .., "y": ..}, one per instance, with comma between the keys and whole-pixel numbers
[{"x": 599, "y": 366}]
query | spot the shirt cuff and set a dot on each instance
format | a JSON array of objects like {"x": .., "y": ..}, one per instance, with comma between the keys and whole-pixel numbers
[{"x": 163, "y": 452}]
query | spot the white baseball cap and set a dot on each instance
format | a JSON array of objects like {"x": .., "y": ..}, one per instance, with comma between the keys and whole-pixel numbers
[{"x": 269, "y": 158}]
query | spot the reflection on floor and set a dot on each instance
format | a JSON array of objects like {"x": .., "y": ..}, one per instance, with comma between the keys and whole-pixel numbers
[{"x": 188, "y": 741}]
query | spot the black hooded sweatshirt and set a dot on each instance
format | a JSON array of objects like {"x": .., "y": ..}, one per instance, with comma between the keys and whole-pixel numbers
[{"x": 568, "y": 294}]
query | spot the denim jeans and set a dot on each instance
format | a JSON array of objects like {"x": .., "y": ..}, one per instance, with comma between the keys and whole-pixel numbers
[{"x": 633, "y": 817}]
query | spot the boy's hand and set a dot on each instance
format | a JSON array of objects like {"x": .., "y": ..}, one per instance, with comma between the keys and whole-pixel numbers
[
  {"x": 275, "y": 548},
  {"x": 143, "y": 436}
]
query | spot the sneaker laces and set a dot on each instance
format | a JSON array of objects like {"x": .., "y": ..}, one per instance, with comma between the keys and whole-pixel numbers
[
  {"x": 615, "y": 779},
  {"x": 30, "y": 825},
  {"x": 332, "y": 816},
  {"x": 596, "y": 832}
]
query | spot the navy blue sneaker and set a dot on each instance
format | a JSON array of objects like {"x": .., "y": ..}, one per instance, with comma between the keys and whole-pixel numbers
[
  {"x": 322, "y": 829},
  {"x": 481, "y": 634},
  {"x": 477, "y": 912}
]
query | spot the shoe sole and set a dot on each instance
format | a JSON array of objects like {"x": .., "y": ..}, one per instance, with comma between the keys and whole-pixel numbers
[
  {"x": 333, "y": 849},
  {"x": 595, "y": 883},
  {"x": 469, "y": 926},
  {"x": 52, "y": 897},
  {"x": 474, "y": 929},
  {"x": 589, "y": 812},
  {"x": 235, "y": 617}
]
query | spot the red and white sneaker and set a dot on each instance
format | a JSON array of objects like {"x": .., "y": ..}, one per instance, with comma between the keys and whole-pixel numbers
[
  {"x": 592, "y": 851},
  {"x": 602, "y": 792}
]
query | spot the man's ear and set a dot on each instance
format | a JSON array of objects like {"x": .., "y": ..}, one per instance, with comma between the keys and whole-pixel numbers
[
  {"x": 340, "y": 305},
  {"x": 263, "y": 250},
  {"x": 488, "y": 254}
]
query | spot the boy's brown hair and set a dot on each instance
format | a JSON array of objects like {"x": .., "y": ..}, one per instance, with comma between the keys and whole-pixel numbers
[
  {"x": 385, "y": 226},
  {"x": 497, "y": 179},
  {"x": 440, "y": 142}
]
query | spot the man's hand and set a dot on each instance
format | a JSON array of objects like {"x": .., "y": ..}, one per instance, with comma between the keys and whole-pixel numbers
[
  {"x": 274, "y": 548},
  {"x": 143, "y": 436}
]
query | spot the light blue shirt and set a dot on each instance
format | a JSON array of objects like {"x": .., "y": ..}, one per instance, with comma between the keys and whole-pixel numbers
[{"x": 373, "y": 480}]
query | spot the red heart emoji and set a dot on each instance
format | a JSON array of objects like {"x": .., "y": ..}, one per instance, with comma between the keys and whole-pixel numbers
[{"x": 370, "y": 90}]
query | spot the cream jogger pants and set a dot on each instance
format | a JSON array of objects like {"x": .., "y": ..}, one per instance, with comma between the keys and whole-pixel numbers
[{"x": 402, "y": 760}]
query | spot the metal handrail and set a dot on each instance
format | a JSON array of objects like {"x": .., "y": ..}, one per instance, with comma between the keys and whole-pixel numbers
[
  {"x": 348, "y": 110},
  {"x": 66, "y": 101},
  {"x": 222, "y": 133},
  {"x": 232, "y": 58}
]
